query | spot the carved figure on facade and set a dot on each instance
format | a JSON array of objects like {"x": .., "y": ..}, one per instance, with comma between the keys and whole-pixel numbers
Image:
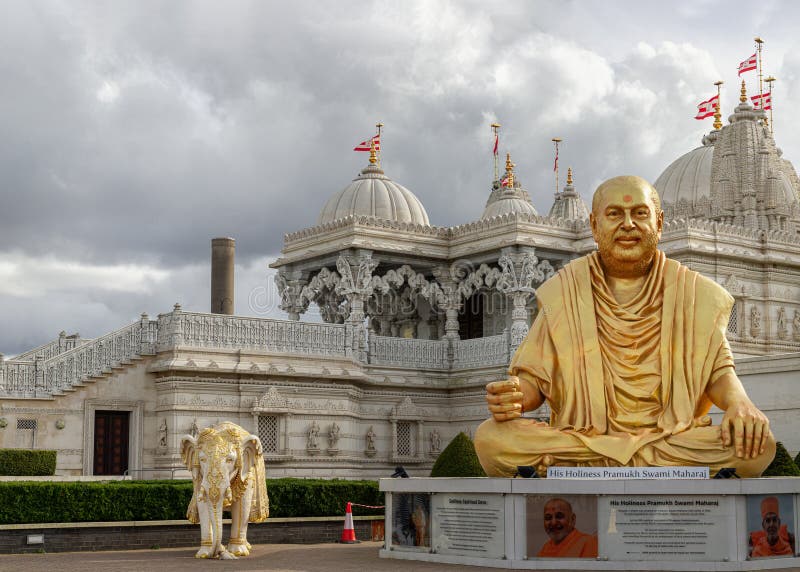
[
  {"x": 227, "y": 466},
  {"x": 312, "y": 437},
  {"x": 370, "y": 442},
  {"x": 435, "y": 441},
  {"x": 194, "y": 430},
  {"x": 162, "y": 434},
  {"x": 796, "y": 326},
  {"x": 783, "y": 329},
  {"x": 333, "y": 437},
  {"x": 755, "y": 322}
]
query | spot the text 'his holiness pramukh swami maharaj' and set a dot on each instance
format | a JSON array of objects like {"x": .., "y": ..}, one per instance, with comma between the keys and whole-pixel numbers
[{"x": 629, "y": 350}]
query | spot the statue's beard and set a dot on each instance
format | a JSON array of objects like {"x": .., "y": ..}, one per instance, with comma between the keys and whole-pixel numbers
[{"x": 630, "y": 261}]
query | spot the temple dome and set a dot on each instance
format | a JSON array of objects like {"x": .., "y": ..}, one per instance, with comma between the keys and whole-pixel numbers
[
  {"x": 688, "y": 178},
  {"x": 568, "y": 204},
  {"x": 508, "y": 197},
  {"x": 374, "y": 194},
  {"x": 506, "y": 201}
]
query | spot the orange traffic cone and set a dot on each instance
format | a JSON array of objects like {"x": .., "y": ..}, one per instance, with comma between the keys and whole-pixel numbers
[{"x": 349, "y": 533}]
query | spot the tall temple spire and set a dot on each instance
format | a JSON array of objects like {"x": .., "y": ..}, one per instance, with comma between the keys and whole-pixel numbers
[
  {"x": 717, "y": 112},
  {"x": 556, "y": 140},
  {"x": 378, "y": 126},
  {"x": 759, "y": 43},
  {"x": 770, "y": 81},
  {"x": 496, "y": 131}
]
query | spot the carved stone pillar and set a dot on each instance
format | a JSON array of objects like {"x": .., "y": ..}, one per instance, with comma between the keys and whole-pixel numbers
[
  {"x": 356, "y": 286},
  {"x": 145, "y": 343},
  {"x": 519, "y": 317},
  {"x": 520, "y": 271},
  {"x": 177, "y": 325},
  {"x": 451, "y": 302},
  {"x": 290, "y": 286}
]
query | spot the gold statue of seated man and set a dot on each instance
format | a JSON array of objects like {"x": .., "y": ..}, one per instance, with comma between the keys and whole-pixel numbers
[{"x": 629, "y": 350}]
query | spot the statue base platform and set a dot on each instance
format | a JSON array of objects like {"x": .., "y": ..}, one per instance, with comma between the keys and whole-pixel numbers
[{"x": 625, "y": 524}]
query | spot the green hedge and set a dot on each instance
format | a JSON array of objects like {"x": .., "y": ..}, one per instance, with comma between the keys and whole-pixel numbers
[
  {"x": 111, "y": 501},
  {"x": 27, "y": 462}
]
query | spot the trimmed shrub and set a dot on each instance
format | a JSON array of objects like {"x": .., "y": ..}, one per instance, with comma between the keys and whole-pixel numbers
[
  {"x": 458, "y": 459},
  {"x": 782, "y": 465},
  {"x": 27, "y": 462},
  {"x": 797, "y": 460},
  {"x": 113, "y": 501}
]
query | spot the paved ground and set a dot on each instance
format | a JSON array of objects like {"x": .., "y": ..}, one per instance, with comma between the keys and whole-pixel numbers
[{"x": 273, "y": 557}]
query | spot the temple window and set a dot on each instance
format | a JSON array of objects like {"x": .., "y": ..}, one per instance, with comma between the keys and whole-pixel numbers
[{"x": 268, "y": 432}]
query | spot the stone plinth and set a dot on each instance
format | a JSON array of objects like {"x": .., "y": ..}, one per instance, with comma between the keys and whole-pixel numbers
[{"x": 644, "y": 524}]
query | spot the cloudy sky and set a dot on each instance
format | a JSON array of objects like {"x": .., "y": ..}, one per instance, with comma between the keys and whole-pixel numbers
[{"x": 133, "y": 132}]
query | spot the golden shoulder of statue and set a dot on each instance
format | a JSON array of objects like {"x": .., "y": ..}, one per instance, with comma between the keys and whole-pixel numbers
[{"x": 629, "y": 350}]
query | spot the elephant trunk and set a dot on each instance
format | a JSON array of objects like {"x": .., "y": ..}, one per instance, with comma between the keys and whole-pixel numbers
[
  {"x": 215, "y": 520},
  {"x": 217, "y": 490}
]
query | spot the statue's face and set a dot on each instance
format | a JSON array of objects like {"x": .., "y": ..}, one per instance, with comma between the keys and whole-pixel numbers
[
  {"x": 626, "y": 226},
  {"x": 559, "y": 520}
]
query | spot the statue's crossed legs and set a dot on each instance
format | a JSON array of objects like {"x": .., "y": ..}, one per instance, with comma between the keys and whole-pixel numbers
[{"x": 503, "y": 446}]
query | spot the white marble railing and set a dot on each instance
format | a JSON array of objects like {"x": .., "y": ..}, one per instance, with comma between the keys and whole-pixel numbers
[
  {"x": 51, "y": 349},
  {"x": 412, "y": 353},
  {"x": 220, "y": 331},
  {"x": 18, "y": 377},
  {"x": 99, "y": 355},
  {"x": 42, "y": 377},
  {"x": 481, "y": 352}
]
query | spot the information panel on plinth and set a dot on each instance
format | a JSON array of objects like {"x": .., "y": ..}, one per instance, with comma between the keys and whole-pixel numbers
[
  {"x": 588, "y": 523},
  {"x": 469, "y": 524},
  {"x": 679, "y": 527}
]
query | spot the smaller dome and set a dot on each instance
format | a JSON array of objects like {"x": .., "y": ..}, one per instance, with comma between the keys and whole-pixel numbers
[
  {"x": 374, "y": 194},
  {"x": 508, "y": 196},
  {"x": 507, "y": 202},
  {"x": 568, "y": 204}
]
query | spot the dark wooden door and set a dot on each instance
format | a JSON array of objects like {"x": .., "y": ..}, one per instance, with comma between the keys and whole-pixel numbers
[{"x": 111, "y": 430}]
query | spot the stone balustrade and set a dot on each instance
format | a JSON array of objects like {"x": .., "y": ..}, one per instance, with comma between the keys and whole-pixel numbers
[
  {"x": 411, "y": 353},
  {"x": 99, "y": 356},
  {"x": 218, "y": 331},
  {"x": 17, "y": 377},
  {"x": 481, "y": 352},
  {"x": 41, "y": 377},
  {"x": 52, "y": 349}
]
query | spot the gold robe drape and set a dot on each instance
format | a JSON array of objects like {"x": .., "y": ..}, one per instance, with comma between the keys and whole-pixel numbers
[{"x": 626, "y": 383}]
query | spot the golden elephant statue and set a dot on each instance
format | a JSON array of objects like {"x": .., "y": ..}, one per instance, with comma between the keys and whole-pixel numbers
[{"x": 227, "y": 466}]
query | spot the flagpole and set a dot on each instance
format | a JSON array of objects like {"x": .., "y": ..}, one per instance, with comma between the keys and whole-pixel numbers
[
  {"x": 769, "y": 80},
  {"x": 556, "y": 140},
  {"x": 496, "y": 131},
  {"x": 379, "y": 125},
  {"x": 717, "y": 112},
  {"x": 759, "y": 43}
]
